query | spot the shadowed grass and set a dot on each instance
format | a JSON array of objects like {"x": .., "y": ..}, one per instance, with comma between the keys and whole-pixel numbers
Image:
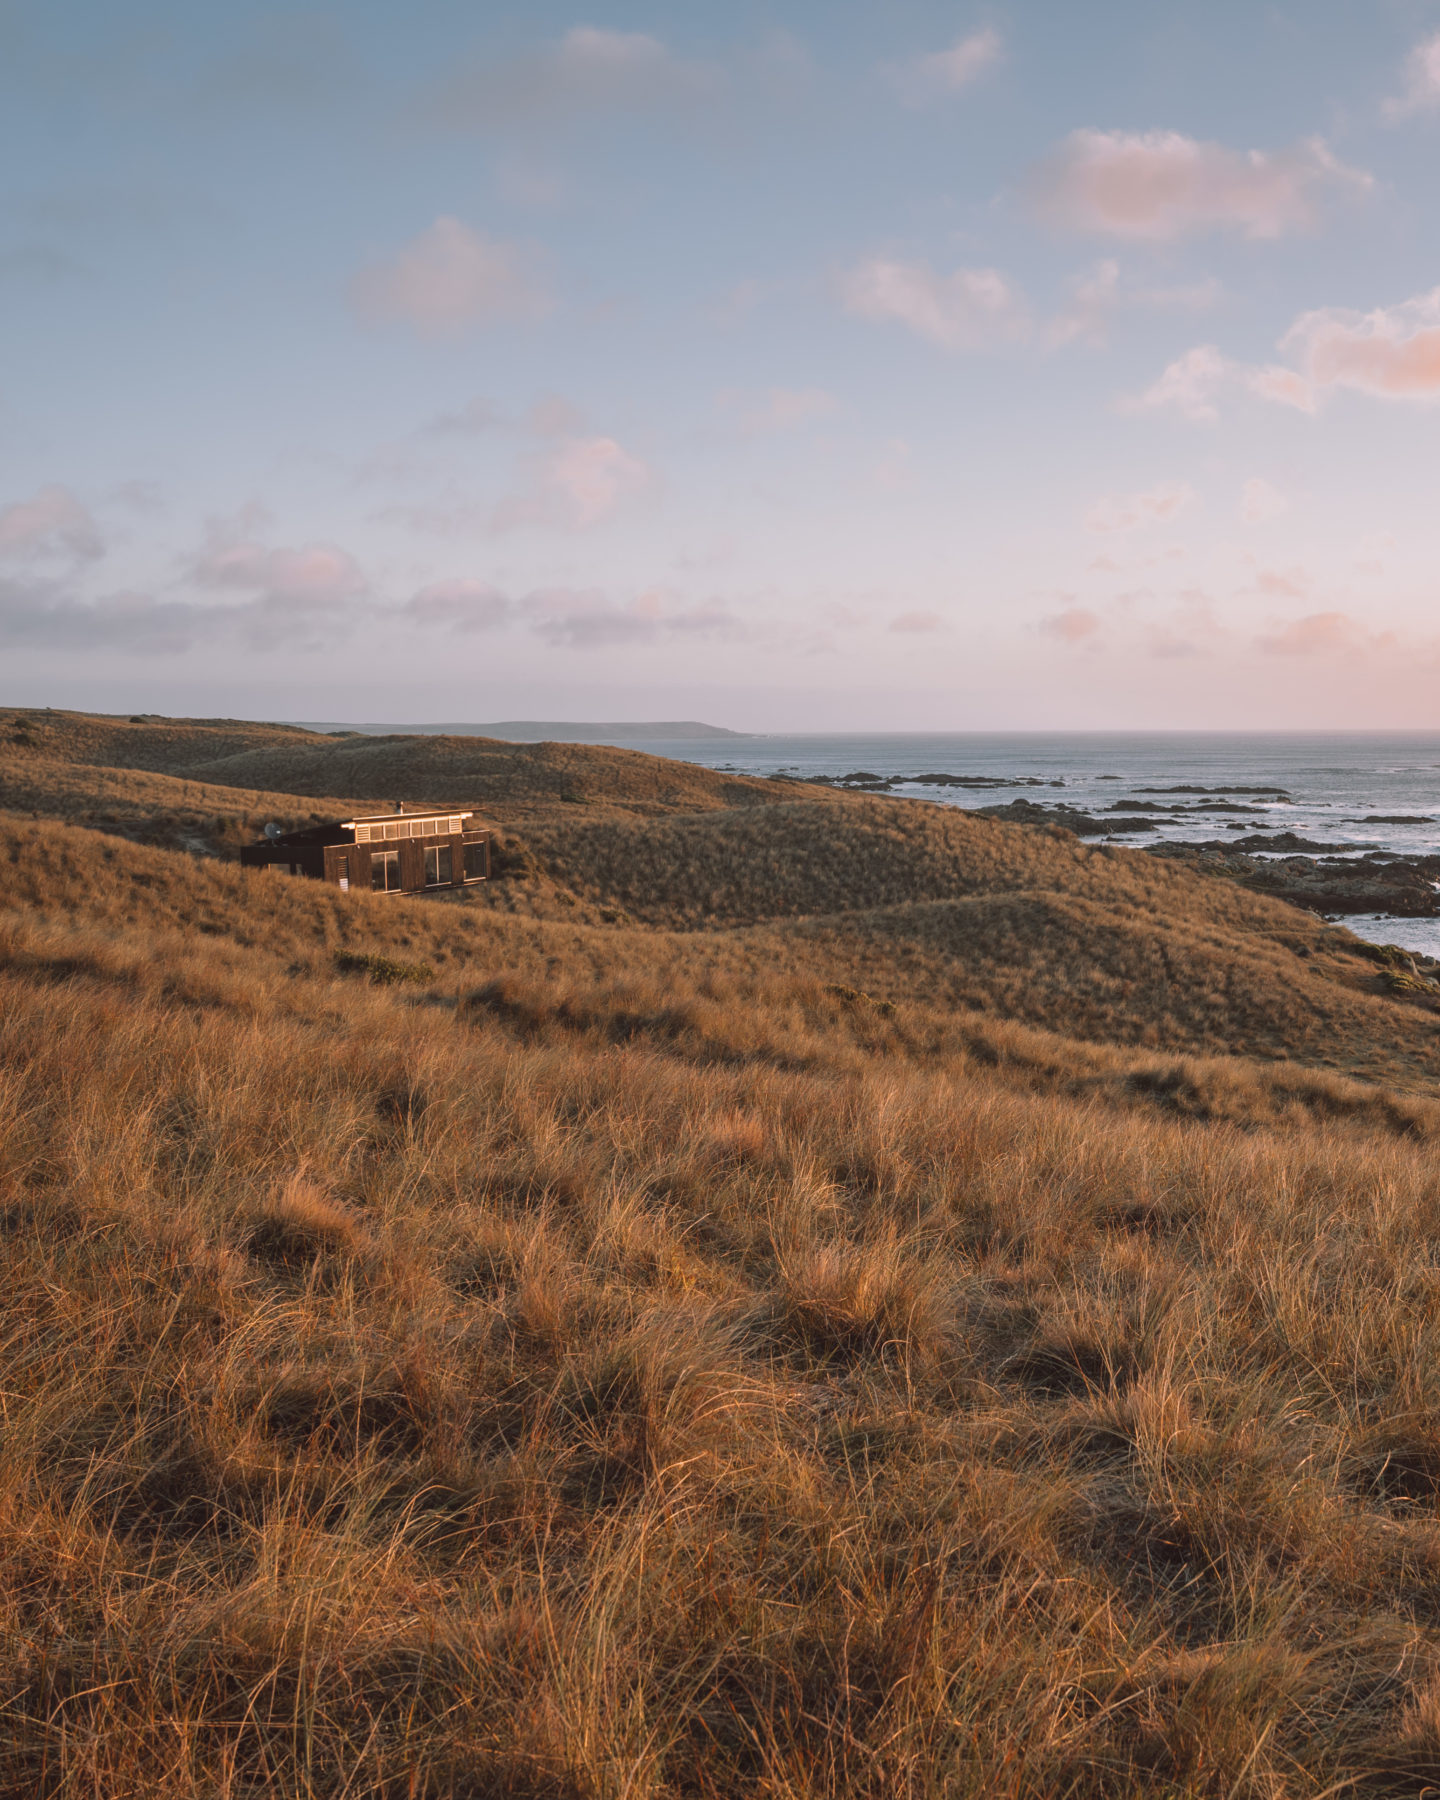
[{"x": 639, "y": 1364}]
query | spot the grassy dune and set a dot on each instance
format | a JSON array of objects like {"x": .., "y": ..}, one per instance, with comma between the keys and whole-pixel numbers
[
  {"x": 785, "y": 1332},
  {"x": 515, "y": 780}
]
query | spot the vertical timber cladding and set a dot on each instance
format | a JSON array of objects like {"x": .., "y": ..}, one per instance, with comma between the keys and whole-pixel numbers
[
  {"x": 438, "y": 854},
  {"x": 348, "y": 865},
  {"x": 399, "y": 852}
]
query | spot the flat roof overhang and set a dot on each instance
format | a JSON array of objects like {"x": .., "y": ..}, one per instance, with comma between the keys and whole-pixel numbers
[{"x": 417, "y": 817}]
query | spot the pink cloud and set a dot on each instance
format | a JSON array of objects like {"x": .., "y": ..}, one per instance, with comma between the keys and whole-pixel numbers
[
  {"x": 589, "y": 71},
  {"x": 780, "y": 409},
  {"x": 1283, "y": 386},
  {"x": 1161, "y": 185},
  {"x": 1097, "y": 295},
  {"x": 51, "y": 522},
  {"x": 1284, "y": 584},
  {"x": 612, "y": 64},
  {"x": 917, "y": 622},
  {"x": 1316, "y": 634},
  {"x": 1422, "y": 81},
  {"x": 311, "y": 575},
  {"x": 1193, "y": 384},
  {"x": 1260, "y": 501},
  {"x": 1189, "y": 384},
  {"x": 965, "y": 310},
  {"x": 449, "y": 279},
  {"x": 1073, "y": 625},
  {"x": 1392, "y": 352},
  {"x": 591, "y": 476},
  {"x": 577, "y": 484},
  {"x": 946, "y": 72},
  {"x": 1125, "y": 512}
]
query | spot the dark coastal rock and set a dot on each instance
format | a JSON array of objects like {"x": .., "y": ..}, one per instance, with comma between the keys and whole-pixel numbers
[
  {"x": 1392, "y": 819},
  {"x": 1191, "y": 787},
  {"x": 866, "y": 782},
  {"x": 980, "y": 781},
  {"x": 1289, "y": 842},
  {"x": 1068, "y": 818},
  {"x": 1403, "y": 886},
  {"x": 1227, "y": 806}
]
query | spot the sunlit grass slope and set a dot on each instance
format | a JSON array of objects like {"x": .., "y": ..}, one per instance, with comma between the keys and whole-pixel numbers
[
  {"x": 516, "y": 778},
  {"x": 545, "y": 1344}
]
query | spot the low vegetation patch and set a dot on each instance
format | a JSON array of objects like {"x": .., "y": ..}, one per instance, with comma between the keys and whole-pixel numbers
[{"x": 389, "y": 971}]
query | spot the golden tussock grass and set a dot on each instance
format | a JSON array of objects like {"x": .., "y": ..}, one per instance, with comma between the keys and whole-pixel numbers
[
  {"x": 529, "y": 780},
  {"x": 637, "y": 1364}
]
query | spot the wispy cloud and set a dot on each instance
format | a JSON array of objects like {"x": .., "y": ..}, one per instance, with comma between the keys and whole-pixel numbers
[
  {"x": 1324, "y": 633},
  {"x": 943, "y": 73},
  {"x": 571, "y": 483},
  {"x": 477, "y": 415},
  {"x": 1072, "y": 625},
  {"x": 1421, "y": 88},
  {"x": 1283, "y": 584},
  {"x": 313, "y": 605},
  {"x": 590, "y": 621},
  {"x": 1195, "y": 382},
  {"x": 578, "y": 484},
  {"x": 968, "y": 309},
  {"x": 312, "y": 575},
  {"x": 1390, "y": 353},
  {"x": 1127, "y": 512},
  {"x": 46, "y": 616},
  {"x": 778, "y": 409},
  {"x": 450, "y": 279},
  {"x": 588, "y": 71},
  {"x": 52, "y": 522},
  {"x": 1097, "y": 295},
  {"x": 569, "y": 618},
  {"x": 1161, "y": 185},
  {"x": 1260, "y": 502}
]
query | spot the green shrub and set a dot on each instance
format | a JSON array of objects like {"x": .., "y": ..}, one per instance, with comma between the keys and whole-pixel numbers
[{"x": 387, "y": 970}]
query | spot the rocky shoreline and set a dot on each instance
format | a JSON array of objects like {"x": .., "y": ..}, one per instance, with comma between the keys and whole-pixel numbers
[
  {"x": 1379, "y": 882},
  {"x": 862, "y": 781},
  {"x": 1280, "y": 863}
]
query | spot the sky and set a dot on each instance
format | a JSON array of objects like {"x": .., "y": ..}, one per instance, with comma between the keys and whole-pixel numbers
[{"x": 791, "y": 367}]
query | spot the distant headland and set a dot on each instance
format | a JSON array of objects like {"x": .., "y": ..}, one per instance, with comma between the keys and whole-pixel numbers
[{"x": 554, "y": 731}]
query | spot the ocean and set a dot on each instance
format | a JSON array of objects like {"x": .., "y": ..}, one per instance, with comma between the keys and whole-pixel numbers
[{"x": 1346, "y": 790}]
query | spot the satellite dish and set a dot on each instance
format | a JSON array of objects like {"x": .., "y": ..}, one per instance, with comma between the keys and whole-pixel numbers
[{"x": 272, "y": 831}]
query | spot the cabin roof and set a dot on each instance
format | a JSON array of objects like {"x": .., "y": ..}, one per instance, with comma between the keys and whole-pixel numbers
[
  {"x": 418, "y": 821},
  {"x": 417, "y": 812}
]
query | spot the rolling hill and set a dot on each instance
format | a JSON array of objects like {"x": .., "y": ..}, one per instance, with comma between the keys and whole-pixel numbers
[{"x": 784, "y": 1292}]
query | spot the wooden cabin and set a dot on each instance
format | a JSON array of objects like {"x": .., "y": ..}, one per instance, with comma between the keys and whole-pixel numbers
[{"x": 402, "y": 852}]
